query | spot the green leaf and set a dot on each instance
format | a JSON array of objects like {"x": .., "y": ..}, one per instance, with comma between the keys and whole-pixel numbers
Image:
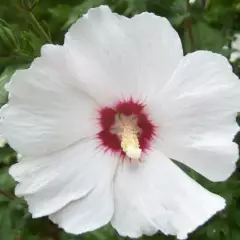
[
  {"x": 79, "y": 10},
  {"x": 204, "y": 38},
  {"x": 6, "y": 181},
  {"x": 7, "y": 155},
  {"x": 235, "y": 234},
  {"x": 6, "y": 230},
  {"x": 178, "y": 19},
  {"x": 4, "y": 78},
  {"x": 60, "y": 12}
]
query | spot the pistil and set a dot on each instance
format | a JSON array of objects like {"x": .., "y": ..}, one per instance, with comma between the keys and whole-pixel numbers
[
  {"x": 129, "y": 142},
  {"x": 128, "y": 131}
]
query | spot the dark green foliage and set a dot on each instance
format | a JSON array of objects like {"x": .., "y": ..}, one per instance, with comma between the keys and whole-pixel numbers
[{"x": 25, "y": 25}]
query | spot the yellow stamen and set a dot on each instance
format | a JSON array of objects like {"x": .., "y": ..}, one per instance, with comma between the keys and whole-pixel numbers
[
  {"x": 127, "y": 129},
  {"x": 129, "y": 141}
]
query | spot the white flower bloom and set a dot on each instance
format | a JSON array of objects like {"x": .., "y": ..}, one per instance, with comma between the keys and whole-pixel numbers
[
  {"x": 98, "y": 119},
  {"x": 2, "y": 141},
  {"x": 236, "y": 47}
]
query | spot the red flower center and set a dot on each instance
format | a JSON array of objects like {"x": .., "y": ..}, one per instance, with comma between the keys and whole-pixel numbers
[{"x": 125, "y": 125}]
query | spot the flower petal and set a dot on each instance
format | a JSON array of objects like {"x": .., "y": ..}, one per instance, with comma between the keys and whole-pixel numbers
[
  {"x": 45, "y": 112},
  {"x": 96, "y": 208},
  {"x": 2, "y": 141},
  {"x": 116, "y": 57},
  {"x": 89, "y": 213},
  {"x": 197, "y": 115},
  {"x": 157, "y": 195},
  {"x": 49, "y": 183}
]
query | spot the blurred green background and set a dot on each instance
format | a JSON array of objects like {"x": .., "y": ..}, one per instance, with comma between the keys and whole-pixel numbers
[{"x": 25, "y": 25}]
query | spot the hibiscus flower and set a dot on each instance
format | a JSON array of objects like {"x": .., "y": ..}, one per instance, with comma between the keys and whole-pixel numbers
[{"x": 98, "y": 121}]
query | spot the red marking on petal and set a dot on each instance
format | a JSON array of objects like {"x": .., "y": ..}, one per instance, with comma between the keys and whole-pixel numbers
[
  {"x": 147, "y": 133},
  {"x": 107, "y": 117},
  {"x": 110, "y": 140},
  {"x": 129, "y": 107}
]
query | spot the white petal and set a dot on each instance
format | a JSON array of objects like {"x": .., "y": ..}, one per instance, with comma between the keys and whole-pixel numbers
[
  {"x": 46, "y": 112},
  {"x": 157, "y": 195},
  {"x": 96, "y": 208},
  {"x": 51, "y": 182},
  {"x": 117, "y": 57},
  {"x": 2, "y": 141},
  {"x": 197, "y": 115}
]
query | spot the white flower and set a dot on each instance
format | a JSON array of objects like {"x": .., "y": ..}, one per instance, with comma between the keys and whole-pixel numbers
[
  {"x": 2, "y": 141},
  {"x": 236, "y": 47},
  {"x": 121, "y": 88}
]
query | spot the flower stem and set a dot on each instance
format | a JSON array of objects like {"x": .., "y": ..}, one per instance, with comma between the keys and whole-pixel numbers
[
  {"x": 36, "y": 24},
  {"x": 9, "y": 195},
  {"x": 188, "y": 25}
]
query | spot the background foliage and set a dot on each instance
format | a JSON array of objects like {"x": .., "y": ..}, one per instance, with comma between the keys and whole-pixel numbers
[{"x": 25, "y": 25}]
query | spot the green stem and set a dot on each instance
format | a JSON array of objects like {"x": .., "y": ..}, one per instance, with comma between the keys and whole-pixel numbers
[
  {"x": 35, "y": 22},
  {"x": 39, "y": 27},
  {"x": 7, "y": 194},
  {"x": 188, "y": 25}
]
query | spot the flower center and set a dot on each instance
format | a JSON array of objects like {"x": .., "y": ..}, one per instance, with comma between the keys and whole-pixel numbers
[{"x": 126, "y": 129}]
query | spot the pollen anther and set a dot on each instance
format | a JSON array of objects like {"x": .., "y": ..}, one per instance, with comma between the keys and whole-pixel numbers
[{"x": 129, "y": 138}]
